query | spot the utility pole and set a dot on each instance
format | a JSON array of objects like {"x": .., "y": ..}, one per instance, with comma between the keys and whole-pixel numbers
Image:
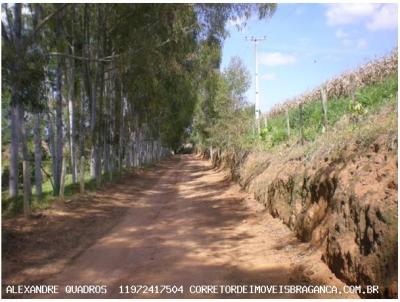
[{"x": 257, "y": 111}]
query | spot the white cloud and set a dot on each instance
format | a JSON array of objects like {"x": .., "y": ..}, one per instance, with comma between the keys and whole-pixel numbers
[
  {"x": 276, "y": 58},
  {"x": 341, "y": 34},
  {"x": 355, "y": 43},
  {"x": 361, "y": 43},
  {"x": 385, "y": 18},
  {"x": 269, "y": 77},
  {"x": 345, "y": 13},
  {"x": 349, "y": 39},
  {"x": 373, "y": 16}
]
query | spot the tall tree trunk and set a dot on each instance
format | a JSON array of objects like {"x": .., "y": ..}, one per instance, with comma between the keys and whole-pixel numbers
[
  {"x": 38, "y": 154},
  {"x": 117, "y": 122},
  {"x": 113, "y": 124},
  {"x": 136, "y": 144},
  {"x": 62, "y": 178},
  {"x": 59, "y": 131},
  {"x": 51, "y": 139},
  {"x": 93, "y": 153},
  {"x": 59, "y": 120},
  {"x": 15, "y": 105},
  {"x": 93, "y": 109},
  {"x": 100, "y": 124},
  {"x": 86, "y": 91},
  {"x": 36, "y": 125},
  {"x": 82, "y": 141},
  {"x": 87, "y": 83},
  {"x": 98, "y": 94},
  {"x": 135, "y": 149},
  {"x": 121, "y": 134},
  {"x": 107, "y": 125},
  {"x": 14, "y": 121},
  {"x": 71, "y": 112},
  {"x": 26, "y": 164},
  {"x": 82, "y": 123}
]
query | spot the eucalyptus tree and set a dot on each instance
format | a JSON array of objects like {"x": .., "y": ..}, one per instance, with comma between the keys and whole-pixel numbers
[
  {"x": 23, "y": 75},
  {"x": 11, "y": 50},
  {"x": 215, "y": 88},
  {"x": 118, "y": 83},
  {"x": 71, "y": 35}
]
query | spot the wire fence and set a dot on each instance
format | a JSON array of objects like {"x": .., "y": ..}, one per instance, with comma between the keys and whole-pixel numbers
[
  {"x": 353, "y": 92},
  {"x": 345, "y": 84}
]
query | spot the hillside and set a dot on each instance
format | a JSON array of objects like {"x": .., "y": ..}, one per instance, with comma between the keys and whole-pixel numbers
[
  {"x": 338, "y": 191},
  {"x": 375, "y": 84}
]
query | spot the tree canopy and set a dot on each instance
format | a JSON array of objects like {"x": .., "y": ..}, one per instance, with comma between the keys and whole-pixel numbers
[{"x": 114, "y": 83}]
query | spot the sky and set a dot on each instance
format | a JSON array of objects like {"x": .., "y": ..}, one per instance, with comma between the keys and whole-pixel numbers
[{"x": 307, "y": 44}]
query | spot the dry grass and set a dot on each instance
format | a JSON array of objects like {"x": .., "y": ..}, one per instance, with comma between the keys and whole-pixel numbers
[
  {"x": 368, "y": 74},
  {"x": 344, "y": 134},
  {"x": 290, "y": 161}
]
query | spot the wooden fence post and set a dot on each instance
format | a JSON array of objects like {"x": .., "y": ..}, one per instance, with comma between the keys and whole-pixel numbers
[
  {"x": 287, "y": 122},
  {"x": 324, "y": 107},
  {"x": 82, "y": 174},
  {"x": 352, "y": 90},
  {"x": 301, "y": 124},
  {"x": 26, "y": 177},
  {"x": 62, "y": 181}
]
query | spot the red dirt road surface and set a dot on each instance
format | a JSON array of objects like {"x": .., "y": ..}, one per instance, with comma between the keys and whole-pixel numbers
[{"x": 180, "y": 223}]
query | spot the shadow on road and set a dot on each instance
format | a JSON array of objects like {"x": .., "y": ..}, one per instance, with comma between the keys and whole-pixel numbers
[{"x": 180, "y": 223}]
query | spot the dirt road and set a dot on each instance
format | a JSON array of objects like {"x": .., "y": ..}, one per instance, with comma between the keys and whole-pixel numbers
[{"x": 186, "y": 224}]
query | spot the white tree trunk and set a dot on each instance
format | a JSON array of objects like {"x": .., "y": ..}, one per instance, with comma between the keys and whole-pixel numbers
[
  {"x": 15, "y": 133},
  {"x": 25, "y": 164},
  {"x": 38, "y": 154},
  {"x": 50, "y": 127},
  {"x": 62, "y": 180},
  {"x": 27, "y": 187},
  {"x": 15, "y": 104},
  {"x": 59, "y": 116},
  {"x": 82, "y": 174},
  {"x": 71, "y": 112}
]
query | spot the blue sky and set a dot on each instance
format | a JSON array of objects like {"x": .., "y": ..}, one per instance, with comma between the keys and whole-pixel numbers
[{"x": 307, "y": 44}]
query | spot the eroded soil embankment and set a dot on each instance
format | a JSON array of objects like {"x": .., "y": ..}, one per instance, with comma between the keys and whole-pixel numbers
[{"x": 344, "y": 202}]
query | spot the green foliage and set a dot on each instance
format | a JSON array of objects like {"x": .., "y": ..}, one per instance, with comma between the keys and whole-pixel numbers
[
  {"x": 237, "y": 78},
  {"x": 162, "y": 85},
  {"x": 154, "y": 67},
  {"x": 273, "y": 135},
  {"x": 212, "y": 16},
  {"x": 12, "y": 207},
  {"x": 221, "y": 102},
  {"x": 368, "y": 98},
  {"x": 220, "y": 96},
  {"x": 28, "y": 81}
]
